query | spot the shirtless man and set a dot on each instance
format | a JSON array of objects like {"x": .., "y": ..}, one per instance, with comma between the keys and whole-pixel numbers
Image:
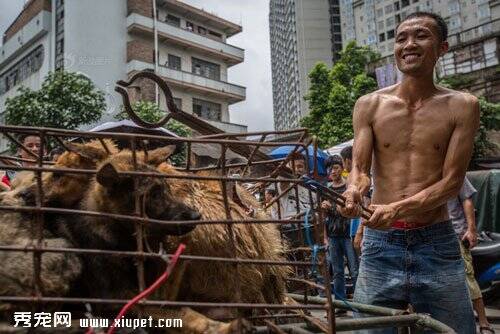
[{"x": 421, "y": 138}]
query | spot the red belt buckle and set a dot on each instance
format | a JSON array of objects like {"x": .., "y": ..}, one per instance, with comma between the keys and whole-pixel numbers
[{"x": 404, "y": 225}]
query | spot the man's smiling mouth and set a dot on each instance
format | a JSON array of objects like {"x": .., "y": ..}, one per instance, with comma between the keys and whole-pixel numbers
[{"x": 410, "y": 56}]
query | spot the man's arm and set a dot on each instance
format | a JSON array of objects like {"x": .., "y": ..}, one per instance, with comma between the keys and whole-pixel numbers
[
  {"x": 471, "y": 233},
  {"x": 359, "y": 179},
  {"x": 455, "y": 165}
]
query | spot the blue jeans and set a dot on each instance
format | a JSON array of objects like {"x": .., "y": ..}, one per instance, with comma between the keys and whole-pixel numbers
[
  {"x": 340, "y": 247},
  {"x": 422, "y": 267}
]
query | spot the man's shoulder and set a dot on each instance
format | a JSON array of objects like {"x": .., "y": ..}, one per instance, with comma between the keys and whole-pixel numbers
[
  {"x": 464, "y": 106},
  {"x": 456, "y": 96},
  {"x": 378, "y": 95}
]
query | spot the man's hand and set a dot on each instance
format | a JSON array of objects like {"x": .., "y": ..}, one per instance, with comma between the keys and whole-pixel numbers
[
  {"x": 352, "y": 208},
  {"x": 383, "y": 216},
  {"x": 471, "y": 236},
  {"x": 358, "y": 239},
  {"x": 326, "y": 205}
]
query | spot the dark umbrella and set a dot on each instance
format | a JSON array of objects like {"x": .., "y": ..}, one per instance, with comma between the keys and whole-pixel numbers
[{"x": 127, "y": 126}]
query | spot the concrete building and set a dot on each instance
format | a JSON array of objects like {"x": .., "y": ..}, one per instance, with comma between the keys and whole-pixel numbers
[
  {"x": 474, "y": 28},
  {"x": 111, "y": 40},
  {"x": 303, "y": 33}
]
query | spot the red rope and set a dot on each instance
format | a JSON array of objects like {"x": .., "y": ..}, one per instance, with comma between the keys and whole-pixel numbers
[{"x": 148, "y": 291}]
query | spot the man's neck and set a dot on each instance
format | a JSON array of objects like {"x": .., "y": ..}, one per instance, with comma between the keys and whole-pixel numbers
[{"x": 416, "y": 89}]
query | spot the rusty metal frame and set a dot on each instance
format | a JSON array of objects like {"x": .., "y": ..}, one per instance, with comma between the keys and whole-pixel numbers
[{"x": 280, "y": 171}]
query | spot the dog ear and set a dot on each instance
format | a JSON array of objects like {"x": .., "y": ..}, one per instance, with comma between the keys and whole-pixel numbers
[
  {"x": 87, "y": 151},
  {"x": 107, "y": 176},
  {"x": 159, "y": 155}
]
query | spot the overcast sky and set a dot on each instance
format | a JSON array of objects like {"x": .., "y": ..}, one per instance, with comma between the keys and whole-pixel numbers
[{"x": 254, "y": 73}]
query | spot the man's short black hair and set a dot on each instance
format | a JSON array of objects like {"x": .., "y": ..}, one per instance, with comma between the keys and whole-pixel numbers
[
  {"x": 334, "y": 160},
  {"x": 346, "y": 152},
  {"x": 331, "y": 160},
  {"x": 440, "y": 23}
]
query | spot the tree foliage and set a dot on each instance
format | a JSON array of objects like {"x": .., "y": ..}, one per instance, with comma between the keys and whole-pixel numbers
[
  {"x": 150, "y": 112},
  {"x": 66, "y": 100},
  {"x": 334, "y": 91}
]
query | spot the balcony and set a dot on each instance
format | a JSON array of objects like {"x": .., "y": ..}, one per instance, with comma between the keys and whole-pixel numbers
[
  {"x": 38, "y": 26},
  {"x": 188, "y": 81},
  {"x": 228, "y": 127},
  {"x": 167, "y": 33}
]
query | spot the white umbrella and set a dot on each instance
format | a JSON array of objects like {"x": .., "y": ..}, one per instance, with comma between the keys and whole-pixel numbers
[{"x": 337, "y": 148}]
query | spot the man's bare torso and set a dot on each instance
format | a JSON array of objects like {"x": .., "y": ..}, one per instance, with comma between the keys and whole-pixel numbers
[{"x": 410, "y": 145}]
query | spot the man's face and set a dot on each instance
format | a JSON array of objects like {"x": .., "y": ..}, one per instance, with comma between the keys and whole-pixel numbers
[
  {"x": 32, "y": 143},
  {"x": 300, "y": 166},
  {"x": 347, "y": 164},
  {"x": 418, "y": 46},
  {"x": 336, "y": 172}
]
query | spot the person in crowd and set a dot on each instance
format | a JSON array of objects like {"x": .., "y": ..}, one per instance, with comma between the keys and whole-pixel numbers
[
  {"x": 269, "y": 195},
  {"x": 462, "y": 215},
  {"x": 32, "y": 144},
  {"x": 356, "y": 230},
  {"x": 337, "y": 235}
]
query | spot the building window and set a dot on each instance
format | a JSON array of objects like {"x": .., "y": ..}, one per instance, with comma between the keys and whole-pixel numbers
[
  {"x": 454, "y": 7},
  {"x": 189, "y": 26},
  {"x": 202, "y": 31},
  {"x": 390, "y": 34},
  {"x": 380, "y": 25},
  {"x": 455, "y": 22},
  {"x": 388, "y": 9},
  {"x": 174, "y": 62},
  {"x": 389, "y": 22},
  {"x": 173, "y": 20},
  {"x": 396, "y": 6},
  {"x": 20, "y": 71},
  {"x": 372, "y": 39},
  {"x": 415, "y": 1},
  {"x": 207, "y": 110},
  {"x": 380, "y": 12},
  {"x": 381, "y": 37},
  {"x": 397, "y": 18},
  {"x": 205, "y": 68},
  {"x": 405, "y": 3},
  {"x": 484, "y": 11}
]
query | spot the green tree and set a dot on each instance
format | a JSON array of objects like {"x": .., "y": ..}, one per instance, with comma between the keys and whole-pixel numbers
[
  {"x": 150, "y": 112},
  {"x": 66, "y": 100},
  {"x": 333, "y": 92},
  {"x": 489, "y": 118}
]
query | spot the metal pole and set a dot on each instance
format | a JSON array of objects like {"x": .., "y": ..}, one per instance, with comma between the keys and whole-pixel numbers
[{"x": 155, "y": 33}]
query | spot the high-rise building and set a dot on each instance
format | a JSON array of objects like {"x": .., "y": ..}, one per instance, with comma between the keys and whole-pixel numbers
[
  {"x": 303, "y": 33},
  {"x": 474, "y": 27},
  {"x": 111, "y": 40}
]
